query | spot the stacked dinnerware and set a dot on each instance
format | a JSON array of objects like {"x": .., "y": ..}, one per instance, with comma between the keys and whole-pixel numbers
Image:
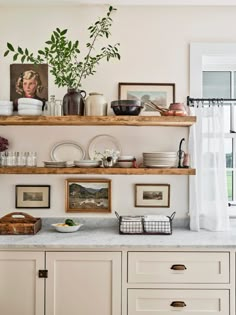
[
  {"x": 126, "y": 161},
  {"x": 29, "y": 106},
  {"x": 87, "y": 163},
  {"x": 160, "y": 159},
  {"x": 55, "y": 163},
  {"x": 6, "y": 108}
]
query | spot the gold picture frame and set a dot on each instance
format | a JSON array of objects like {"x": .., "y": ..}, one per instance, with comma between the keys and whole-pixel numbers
[{"x": 88, "y": 195}]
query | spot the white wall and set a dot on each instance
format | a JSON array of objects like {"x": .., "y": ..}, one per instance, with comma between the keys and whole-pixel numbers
[{"x": 154, "y": 48}]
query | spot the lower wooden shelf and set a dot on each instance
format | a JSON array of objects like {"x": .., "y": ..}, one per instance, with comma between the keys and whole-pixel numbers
[{"x": 94, "y": 171}]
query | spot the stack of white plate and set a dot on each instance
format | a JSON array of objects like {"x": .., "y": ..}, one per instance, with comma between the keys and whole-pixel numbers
[
  {"x": 55, "y": 163},
  {"x": 160, "y": 159},
  {"x": 29, "y": 106},
  {"x": 87, "y": 163},
  {"x": 6, "y": 108}
]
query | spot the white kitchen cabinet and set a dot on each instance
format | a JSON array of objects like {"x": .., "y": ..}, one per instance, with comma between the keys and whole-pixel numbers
[
  {"x": 184, "y": 282},
  {"x": 187, "y": 302},
  {"x": 178, "y": 267},
  {"x": 21, "y": 290},
  {"x": 84, "y": 283}
]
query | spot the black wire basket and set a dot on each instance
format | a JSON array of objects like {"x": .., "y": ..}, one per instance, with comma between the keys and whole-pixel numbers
[{"x": 138, "y": 225}]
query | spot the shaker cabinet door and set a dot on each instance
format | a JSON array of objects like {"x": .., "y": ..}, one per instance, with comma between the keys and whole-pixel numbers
[
  {"x": 83, "y": 283},
  {"x": 21, "y": 291}
]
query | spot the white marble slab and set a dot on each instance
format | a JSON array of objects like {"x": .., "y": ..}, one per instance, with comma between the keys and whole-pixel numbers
[{"x": 104, "y": 234}]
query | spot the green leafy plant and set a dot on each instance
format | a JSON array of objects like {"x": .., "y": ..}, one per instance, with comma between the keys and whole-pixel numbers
[{"x": 62, "y": 55}]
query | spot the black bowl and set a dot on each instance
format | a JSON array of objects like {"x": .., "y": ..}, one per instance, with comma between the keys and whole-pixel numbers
[{"x": 127, "y": 107}]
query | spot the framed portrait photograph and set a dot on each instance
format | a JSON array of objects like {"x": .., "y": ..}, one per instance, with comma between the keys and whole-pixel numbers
[
  {"x": 28, "y": 81},
  {"x": 161, "y": 94},
  {"x": 88, "y": 195},
  {"x": 152, "y": 195},
  {"x": 32, "y": 196}
]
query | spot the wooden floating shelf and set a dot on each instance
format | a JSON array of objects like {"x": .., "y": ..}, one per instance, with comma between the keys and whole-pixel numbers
[
  {"x": 95, "y": 171},
  {"x": 176, "y": 121}
]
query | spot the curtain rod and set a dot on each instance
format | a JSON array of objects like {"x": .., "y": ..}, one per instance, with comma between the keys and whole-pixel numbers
[{"x": 191, "y": 100}]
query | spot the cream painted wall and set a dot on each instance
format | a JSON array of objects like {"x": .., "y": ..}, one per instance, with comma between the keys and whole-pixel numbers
[{"x": 154, "y": 48}]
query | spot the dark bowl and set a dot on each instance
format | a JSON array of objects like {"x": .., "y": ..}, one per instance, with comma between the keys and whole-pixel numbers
[
  {"x": 127, "y": 107},
  {"x": 126, "y": 103},
  {"x": 127, "y": 110}
]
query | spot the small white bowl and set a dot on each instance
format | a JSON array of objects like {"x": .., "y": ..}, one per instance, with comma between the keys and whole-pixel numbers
[
  {"x": 125, "y": 164},
  {"x": 66, "y": 228},
  {"x": 6, "y": 112},
  {"x": 28, "y": 100},
  {"x": 126, "y": 157},
  {"x": 6, "y": 103}
]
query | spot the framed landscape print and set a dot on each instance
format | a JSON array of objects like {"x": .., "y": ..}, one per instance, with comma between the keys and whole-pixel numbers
[
  {"x": 152, "y": 195},
  {"x": 161, "y": 94},
  {"x": 88, "y": 195},
  {"x": 32, "y": 196}
]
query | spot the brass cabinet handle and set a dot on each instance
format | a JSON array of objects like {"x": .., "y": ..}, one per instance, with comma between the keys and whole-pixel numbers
[
  {"x": 178, "y": 304},
  {"x": 178, "y": 267}
]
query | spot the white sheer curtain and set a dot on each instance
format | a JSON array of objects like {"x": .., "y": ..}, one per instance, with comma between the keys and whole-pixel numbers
[{"x": 208, "y": 188}]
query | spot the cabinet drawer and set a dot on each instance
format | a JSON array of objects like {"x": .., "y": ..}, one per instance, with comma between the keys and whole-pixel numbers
[
  {"x": 187, "y": 302},
  {"x": 178, "y": 267}
]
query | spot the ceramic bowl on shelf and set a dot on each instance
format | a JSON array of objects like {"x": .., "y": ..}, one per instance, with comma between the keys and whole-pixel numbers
[
  {"x": 64, "y": 228},
  {"x": 127, "y": 107}
]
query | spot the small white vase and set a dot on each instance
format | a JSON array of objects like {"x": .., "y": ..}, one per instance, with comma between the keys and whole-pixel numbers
[{"x": 95, "y": 105}]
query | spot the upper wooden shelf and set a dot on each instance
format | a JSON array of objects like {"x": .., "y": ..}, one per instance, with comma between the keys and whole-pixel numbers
[
  {"x": 94, "y": 171},
  {"x": 176, "y": 121}
]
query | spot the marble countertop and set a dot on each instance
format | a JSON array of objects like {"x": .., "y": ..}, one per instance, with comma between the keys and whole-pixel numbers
[{"x": 104, "y": 234}]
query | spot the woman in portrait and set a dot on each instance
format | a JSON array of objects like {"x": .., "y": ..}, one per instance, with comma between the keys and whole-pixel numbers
[{"x": 29, "y": 85}]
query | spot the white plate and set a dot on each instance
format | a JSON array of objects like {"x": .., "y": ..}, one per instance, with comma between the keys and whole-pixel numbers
[
  {"x": 66, "y": 229},
  {"x": 101, "y": 143},
  {"x": 67, "y": 151}
]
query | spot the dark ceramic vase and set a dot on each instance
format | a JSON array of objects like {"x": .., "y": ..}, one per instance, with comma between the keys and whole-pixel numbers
[{"x": 73, "y": 102}]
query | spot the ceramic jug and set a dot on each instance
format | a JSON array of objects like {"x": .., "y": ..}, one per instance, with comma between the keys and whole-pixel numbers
[
  {"x": 95, "y": 105},
  {"x": 73, "y": 102}
]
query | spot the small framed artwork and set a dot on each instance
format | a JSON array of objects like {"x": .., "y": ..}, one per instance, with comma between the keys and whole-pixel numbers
[
  {"x": 152, "y": 195},
  {"x": 161, "y": 94},
  {"x": 88, "y": 195},
  {"x": 32, "y": 196}
]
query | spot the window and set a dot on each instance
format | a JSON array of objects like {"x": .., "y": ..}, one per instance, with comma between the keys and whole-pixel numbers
[
  {"x": 213, "y": 75},
  {"x": 219, "y": 84}
]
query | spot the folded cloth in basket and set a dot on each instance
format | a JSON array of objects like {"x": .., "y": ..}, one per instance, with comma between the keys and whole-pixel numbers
[
  {"x": 131, "y": 225},
  {"x": 156, "y": 218},
  {"x": 157, "y": 224}
]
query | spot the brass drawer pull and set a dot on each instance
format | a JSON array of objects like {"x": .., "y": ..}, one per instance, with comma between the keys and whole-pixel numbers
[
  {"x": 178, "y": 267},
  {"x": 178, "y": 304}
]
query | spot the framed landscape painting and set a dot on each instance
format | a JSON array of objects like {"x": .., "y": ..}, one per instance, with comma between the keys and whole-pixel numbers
[
  {"x": 32, "y": 196},
  {"x": 152, "y": 195},
  {"x": 88, "y": 195},
  {"x": 161, "y": 94}
]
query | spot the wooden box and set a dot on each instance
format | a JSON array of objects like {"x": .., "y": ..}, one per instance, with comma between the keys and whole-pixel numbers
[{"x": 19, "y": 223}]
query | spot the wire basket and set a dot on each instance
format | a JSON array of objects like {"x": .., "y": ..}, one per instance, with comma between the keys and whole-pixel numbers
[{"x": 138, "y": 225}]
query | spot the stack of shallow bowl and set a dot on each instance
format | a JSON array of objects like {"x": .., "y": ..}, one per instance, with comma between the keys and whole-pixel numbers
[
  {"x": 6, "y": 108},
  {"x": 29, "y": 106},
  {"x": 55, "y": 163},
  {"x": 126, "y": 161},
  {"x": 87, "y": 163},
  {"x": 160, "y": 159}
]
